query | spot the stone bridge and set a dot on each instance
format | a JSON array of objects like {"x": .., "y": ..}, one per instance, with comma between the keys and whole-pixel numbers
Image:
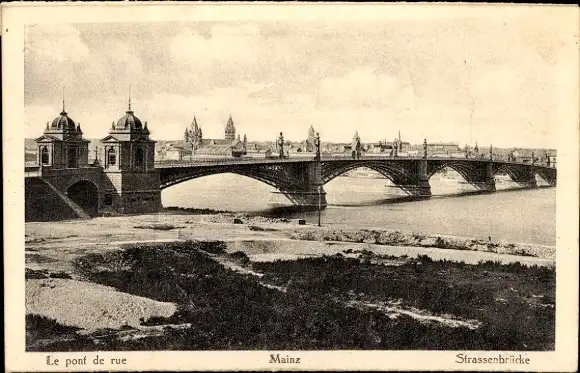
[
  {"x": 125, "y": 178},
  {"x": 301, "y": 180}
]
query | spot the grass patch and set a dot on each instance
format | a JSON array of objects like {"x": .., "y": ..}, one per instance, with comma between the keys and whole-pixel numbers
[
  {"x": 159, "y": 227},
  {"x": 503, "y": 297},
  {"x": 261, "y": 229},
  {"x": 194, "y": 211},
  {"x": 44, "y": 334},
  {"x": 38, "y": 258},
  {"x": 34, "y": 240},
  {"x": 240, "y": 257},
  {"x": 231, "y": 311},
  {"x": 31, "y": 274}
]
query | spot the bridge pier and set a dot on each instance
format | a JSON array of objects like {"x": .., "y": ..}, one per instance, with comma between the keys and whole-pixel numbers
[
  {"x": 488, "y": 184},
  {"x": 310, "y": 200},
  {"x": 421, "y": 188},
  {"x": 484, "y": 186},
  {"x": 529, "y": 182}
]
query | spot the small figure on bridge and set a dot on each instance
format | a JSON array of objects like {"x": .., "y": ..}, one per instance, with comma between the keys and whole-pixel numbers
[{"x": 491, "y": 152}]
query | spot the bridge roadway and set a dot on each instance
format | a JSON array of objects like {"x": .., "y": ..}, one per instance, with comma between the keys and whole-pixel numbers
[{"x": 273, "y": 160}]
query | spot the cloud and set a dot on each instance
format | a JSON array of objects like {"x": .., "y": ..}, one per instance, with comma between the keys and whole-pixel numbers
[
  {"x": 59, "y": 43},
  {"x": 226, "y": 45},
  {"x": 362, "y": 87},
  {"x": 378, "y": 77}
]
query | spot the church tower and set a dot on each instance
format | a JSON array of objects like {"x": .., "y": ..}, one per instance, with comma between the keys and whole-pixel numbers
[
  {"x": 400, "y": 142},
  {"x": 310, "y": 145},
  {"x": 230, "y": 133},
  {"x": 131, "y": 184},
  {"x": 196, "y": 136},
  {"x": 62, "y": 144}
]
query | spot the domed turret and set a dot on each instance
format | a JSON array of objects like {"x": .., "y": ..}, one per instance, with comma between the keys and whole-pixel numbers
[
  {"x": 63, "y": 122},
  {"x": 129, "y": 121},
  {"x": 62, "y": 145}
]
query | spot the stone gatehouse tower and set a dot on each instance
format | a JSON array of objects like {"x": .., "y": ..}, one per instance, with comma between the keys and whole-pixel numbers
[
  {"x": 62, "y": 144},
  {"x": 130, "y": 184}
]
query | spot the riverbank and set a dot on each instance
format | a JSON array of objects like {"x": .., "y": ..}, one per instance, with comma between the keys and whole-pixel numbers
[{"x": 179, "y": 281}]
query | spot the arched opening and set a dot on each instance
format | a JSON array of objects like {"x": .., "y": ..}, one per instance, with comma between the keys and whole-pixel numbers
[
  {"x": 361, "y": 185},
  {"x": 450, "y": 180},
  {"x": 506, "y": 178},
  {"x": 139, "y": 158},
  {"x": 111, "y": 157},
  {"x": 44, "y": 157},
  {"x": 86, "y": 195},
  {"x": 223, "y": 192},
  {"x": 72, "y": 157}
]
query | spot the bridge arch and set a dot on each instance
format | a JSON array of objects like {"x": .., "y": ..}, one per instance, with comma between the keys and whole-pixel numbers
[
  {"x": 392, "y": 173},
  {"x": 268, "y": 178},
  {"x": 85, "y": 194},
  {"x": 464, "y": 169},
  {"x": 516, "y": 172}
]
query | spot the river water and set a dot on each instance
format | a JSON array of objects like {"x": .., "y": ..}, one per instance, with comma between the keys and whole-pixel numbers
[{"x": 515, "y": 215}]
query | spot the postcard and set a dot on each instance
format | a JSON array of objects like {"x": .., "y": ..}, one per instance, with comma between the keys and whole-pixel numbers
[{"x": 290, "y": 186}]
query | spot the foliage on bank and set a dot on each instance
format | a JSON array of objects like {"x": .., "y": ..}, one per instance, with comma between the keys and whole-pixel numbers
[
  {"x": 226, "y": 310},
  {"x": 400, "y": 238}
]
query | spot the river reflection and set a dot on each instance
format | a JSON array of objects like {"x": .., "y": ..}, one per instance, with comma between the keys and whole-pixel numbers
[{"x": 512, "y": 214}]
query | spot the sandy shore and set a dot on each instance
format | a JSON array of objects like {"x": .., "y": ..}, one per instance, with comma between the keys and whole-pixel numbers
[
  {"x": 51, "y": 249},
  {"x": 60, "y": 241}
]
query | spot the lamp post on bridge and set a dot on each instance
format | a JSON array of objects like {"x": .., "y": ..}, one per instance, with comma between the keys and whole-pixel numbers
[
  {"x": 317, "y": 143},
  {"x": 491, "y": 153},
  {"x": 96, "y": 162},
  {"x": 281, "y": 145},
  {"x": 425, "y": 148}
]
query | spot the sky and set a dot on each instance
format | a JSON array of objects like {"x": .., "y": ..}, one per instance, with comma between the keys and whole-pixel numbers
[{"x": 463, "y": 80}]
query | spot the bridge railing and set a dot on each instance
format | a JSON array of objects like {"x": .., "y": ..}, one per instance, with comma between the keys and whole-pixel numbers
[
  {"x": 333, "y": 157},
  {"x": 218, "y": 161}
]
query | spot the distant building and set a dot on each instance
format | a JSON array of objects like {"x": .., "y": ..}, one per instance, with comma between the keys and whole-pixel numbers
[
  {"x": 443, "y": 148},
  {"x": 230, "y": 130},
  {"x": 194, "y": 144},
  {"x": 310, "y": 143}
]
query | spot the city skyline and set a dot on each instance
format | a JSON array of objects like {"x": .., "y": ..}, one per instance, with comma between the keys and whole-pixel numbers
[{"x": 377, "y": 78}]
